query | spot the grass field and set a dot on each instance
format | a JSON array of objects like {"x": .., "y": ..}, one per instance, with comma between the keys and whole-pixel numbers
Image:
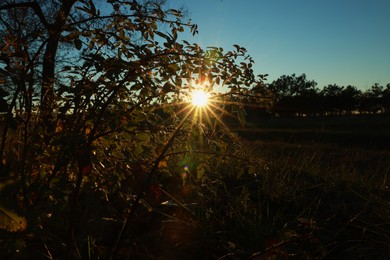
[
  {"x": 332, "y": 173},
  {"x": 367, "y": 132},
  {"x": 354, "y": 149}
]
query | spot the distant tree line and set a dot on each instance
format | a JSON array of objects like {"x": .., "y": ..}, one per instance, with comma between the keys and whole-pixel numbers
[{"x": 297, "y": 96}]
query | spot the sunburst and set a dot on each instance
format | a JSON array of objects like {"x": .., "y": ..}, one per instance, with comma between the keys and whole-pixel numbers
[{"x": 200, "y": 98}]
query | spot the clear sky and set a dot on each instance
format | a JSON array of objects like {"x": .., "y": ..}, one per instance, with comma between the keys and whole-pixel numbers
[{"x": 344, "y": 42}]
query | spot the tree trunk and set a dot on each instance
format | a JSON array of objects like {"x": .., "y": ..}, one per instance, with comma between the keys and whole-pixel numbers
[{"x": 48, "y": 64}]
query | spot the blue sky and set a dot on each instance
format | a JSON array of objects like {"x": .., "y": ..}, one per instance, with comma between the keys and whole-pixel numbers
[{"x": 332, "y": 41}]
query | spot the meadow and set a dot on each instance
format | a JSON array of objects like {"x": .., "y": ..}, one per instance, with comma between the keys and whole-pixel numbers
[
  {"x": 355, "y": 146},
  {"x": 359, "y": 131},
  {"x": 329, "y": 176}
]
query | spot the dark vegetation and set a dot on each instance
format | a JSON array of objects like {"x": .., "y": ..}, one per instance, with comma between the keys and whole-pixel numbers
[
  {"x": 358, "y": 131},
  {"x": 102, "y": 159},
  {"x": 297, "y": 96}
]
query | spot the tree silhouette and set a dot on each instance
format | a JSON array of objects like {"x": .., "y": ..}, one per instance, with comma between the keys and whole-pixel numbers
[
  {"x": 349, "y": 99},
  {"x": 386, "y": 98},
  {"x": 332, "y": 99},
  {"x": 371, "y": 100},
  {"x": 294, "y": 95}
]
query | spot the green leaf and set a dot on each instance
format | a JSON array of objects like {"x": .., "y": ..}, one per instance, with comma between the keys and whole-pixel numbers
[
  {"x": 201, "y": 170},
  {"x": 140, "y": 116},
  {"x": 143, "y": 136},
  {"x": 138, "y": 149}
]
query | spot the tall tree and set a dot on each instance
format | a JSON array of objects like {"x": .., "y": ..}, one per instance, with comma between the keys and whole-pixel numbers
[
  {"x": 333, "y": 101},
  {"x": 53, "y": 24},
  {"x": 292, "y": 85},
  {"x": 371, "y": 100},
  {"x": 350, "y": 96},
  {"x": 293, "y": 94},
  {"x": 386, "y": 98}
]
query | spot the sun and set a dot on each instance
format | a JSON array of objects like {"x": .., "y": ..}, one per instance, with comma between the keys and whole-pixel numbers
[{"x": 199, "y": 98}]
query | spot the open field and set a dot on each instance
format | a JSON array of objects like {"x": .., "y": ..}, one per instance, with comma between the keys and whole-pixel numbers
[
  {"x": 366, "y": 132},
  {"x": 352, "y": 149},
  {"x": 335, "y": 172}
]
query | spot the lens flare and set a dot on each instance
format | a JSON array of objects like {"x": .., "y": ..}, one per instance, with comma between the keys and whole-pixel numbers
[{"x": 199, "y": 98}]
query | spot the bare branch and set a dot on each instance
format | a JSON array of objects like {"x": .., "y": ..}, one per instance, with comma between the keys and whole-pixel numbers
[{"x": 33, "y": 5}]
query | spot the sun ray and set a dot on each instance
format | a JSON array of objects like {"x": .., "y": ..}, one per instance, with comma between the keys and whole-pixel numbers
[
  {"x": 200, "y": 98},
  {"x": 207, "y": 109}
]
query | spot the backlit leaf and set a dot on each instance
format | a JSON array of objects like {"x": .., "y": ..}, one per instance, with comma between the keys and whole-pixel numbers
[
  {"x": 11, "y": 221},
  {"x": 162, "y": 164},
  {"x": 173, "y": 67},
  {"x": 138, "y": 149},
  {"x": 201, "y": 170},
  {"x": 143, "y": 136}
]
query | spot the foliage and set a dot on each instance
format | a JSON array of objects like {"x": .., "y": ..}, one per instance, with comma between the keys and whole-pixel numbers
[
  {"x": 103, "y": 157},
  {"x": 96, "y": 120},
  {"x": 295, "y": 95}
]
